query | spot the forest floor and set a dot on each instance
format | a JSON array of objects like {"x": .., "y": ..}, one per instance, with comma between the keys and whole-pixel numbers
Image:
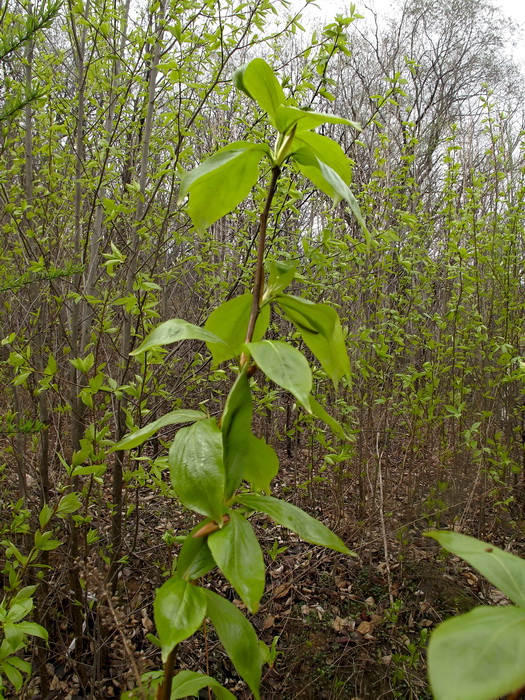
[{"x": 351, "y": 628}]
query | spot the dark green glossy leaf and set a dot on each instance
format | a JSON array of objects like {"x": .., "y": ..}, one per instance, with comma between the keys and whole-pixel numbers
[
  {"x": 285, "y": 366},
  {"x": 236, "y": 432},
  {"x": 504, "y": 570},
  {"x": 140, "y": 436},
  {"x": 478, "y": 656},
  {"x": 221, "y": 182},
  {"x": 320, "y": 328},
  {"x": 287, "y": 117},
  {"x": 296, "y": 520},
  {"x": 238, "y": 555},
  {"x": 229, "y": 322},
  {"x": 179, "y": 610},
  {"x": 195, "y": 559},
  {"x": 173, "y": 331},
  {"x": 197, "y": 469},
  {"x": 237, "y": 637},
  {"x": 261, "y": 464},
  {"x": 257, "y": 80}
]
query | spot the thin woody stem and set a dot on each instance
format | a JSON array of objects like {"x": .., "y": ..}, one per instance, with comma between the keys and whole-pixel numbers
[
  {"x": 258, "y": 286},
  {"x": 517, "y": 694},
  {"x": 164, "y": 690}
]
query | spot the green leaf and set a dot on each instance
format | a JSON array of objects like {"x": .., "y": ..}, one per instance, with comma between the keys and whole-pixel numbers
[
  {"x": 33, "y": 629},
  {"x": 221, "y": 182},
  {"x": 179, "y": 610},
  {"x": 285, "y": 366},
  {"x": 20, "y": 664},
  {"x": 320, "y": 328},
  {"x": 478, "y": 656},
  {"x": 229, "y": 322},
  {"x": 281, "y": 275},
  {"x": 173, "y": 331},
  {"x": 97, "y": 469},
  {"x": 238, "y": 554},
  {"x": 137, "y": 437},
  {"x": 261, "y": 463},
  {"x": 504, "y": 570},
  {"x": 237, "y": 637},
  {"x": 195, "y": 559},
  {"x": 187, "y": 683},
  {"x": 196, "y": 468},
  {"x": 236, "y": 432},
  {"x": 68, "y": 504},
  {"x": 324, "y": 162},
  {"x": 13, "y": 674},
  {"x": 320, "y": 412},
  {"x": 257, "y": 80},
  {"x": 287, "y": 117},
  {"x": 312, "y": 148},
  {"x": 296, "y": 520}
]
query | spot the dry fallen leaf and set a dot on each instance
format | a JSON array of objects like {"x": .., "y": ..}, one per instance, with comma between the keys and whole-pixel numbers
[
  {"x": 269, "y": 621},
  {"x": 366, "y": 627},
  {"x": 281, "y": 590}
]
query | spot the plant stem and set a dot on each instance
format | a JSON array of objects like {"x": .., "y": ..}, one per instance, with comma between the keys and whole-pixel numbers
[
  {"x": 517, "y": 694},
  {"x": 164, "y": 690},
  {"x": 258, "y": 286}
]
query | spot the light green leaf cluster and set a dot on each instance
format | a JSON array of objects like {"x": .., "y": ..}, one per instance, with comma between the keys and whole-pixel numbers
[
  {"x": 218, "y": 468},
  {"x": 15, "y": 629},
  {"x": 479, "y": 655},
  {"x": 220, "y": 183}
]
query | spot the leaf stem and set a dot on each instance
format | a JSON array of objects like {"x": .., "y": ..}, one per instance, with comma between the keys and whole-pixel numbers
[
  {"x": 164, "y": 690},
  {"x": 258, "y": 286},
  {"x": 517, "y": 694}
]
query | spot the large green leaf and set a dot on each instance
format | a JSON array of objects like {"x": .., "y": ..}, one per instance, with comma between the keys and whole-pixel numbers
[
  {"x": 281, "y": 275},
  {"x": 295, "y": 519},
  {"x": 285, "y": 366},
  {"x": 197, "y": 469},
  {"x": 324, "y": 162},
  {"x": 320, "y": 328},
  {"x": 229, "y": 322},
  {"x": 179, "y": 610},
  {"x": 195, "y": 559},
  {"x": 478, "y": 656},
  {"x": 261, "y": 463},
  {"x": 236, "y": 431},
  {"x": 221, "y": 182},
  {"x": 314, "y": 147},
  {"x": 504, "y": 570},
  {"x": 187, "y": 683},
  {"x": 184, "y": 684},
  {"x": 137, "y": 437},
  {"x": 237, "y": 637},
  {"x": 173, "y": 331},
  {"x": 257, "y": 80},
  {"x": 287, "y": 117},
  {"x": 238, "y": 554}
]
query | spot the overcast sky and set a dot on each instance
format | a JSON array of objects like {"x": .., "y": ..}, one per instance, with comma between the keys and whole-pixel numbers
[{"x": 515, "y": 9}]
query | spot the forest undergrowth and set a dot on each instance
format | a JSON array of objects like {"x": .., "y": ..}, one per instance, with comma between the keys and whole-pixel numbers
[
  {"x": 104, "y": 110},
  {"x": 340, "y": 627}
]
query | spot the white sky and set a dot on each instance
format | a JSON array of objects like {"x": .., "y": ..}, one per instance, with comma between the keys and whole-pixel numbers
[{"x": 326, "y": 9}]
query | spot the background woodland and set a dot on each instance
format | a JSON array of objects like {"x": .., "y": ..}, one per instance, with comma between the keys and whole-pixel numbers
[{"x": 104, "y": 105}]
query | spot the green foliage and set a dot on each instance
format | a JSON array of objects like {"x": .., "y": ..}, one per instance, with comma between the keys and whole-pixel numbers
[
  {"x": 210, "y": 461},
  {"x": 179, "y": 610},
  {"x": 478, "y": 656}
]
